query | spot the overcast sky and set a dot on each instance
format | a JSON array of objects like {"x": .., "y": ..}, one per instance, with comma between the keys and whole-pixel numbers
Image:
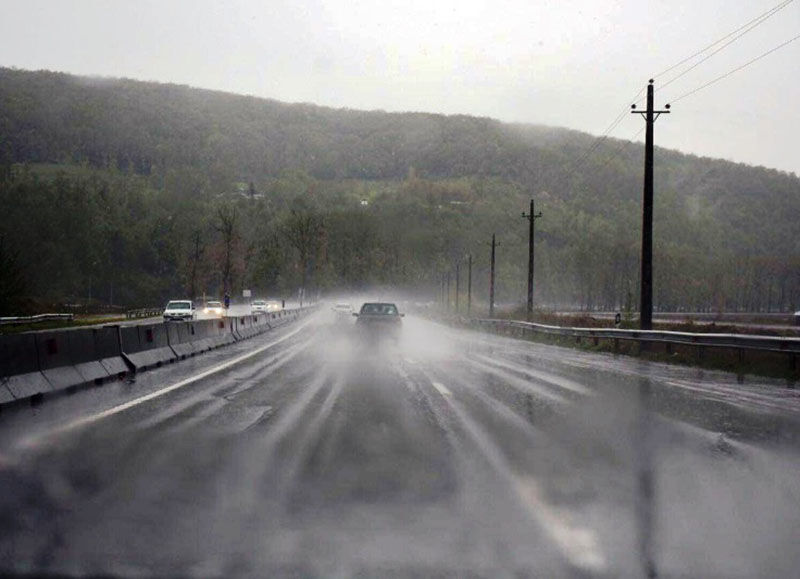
[{"x": 575, "y": 64}]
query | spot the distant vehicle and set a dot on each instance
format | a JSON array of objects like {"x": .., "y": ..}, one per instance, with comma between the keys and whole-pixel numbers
[
  {"x": 265, "y": 306},
  {"x": 214, "y": 307},
  {"x": 179, "y": 310},
  {"x": 342, "y": 310},
  {"x": 379, "y": 318}
]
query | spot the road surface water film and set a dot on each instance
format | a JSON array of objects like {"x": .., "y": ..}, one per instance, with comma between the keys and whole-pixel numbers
[{"x": 314, "y": 451}]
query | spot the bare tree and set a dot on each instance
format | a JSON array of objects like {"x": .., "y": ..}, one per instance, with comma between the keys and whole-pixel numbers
[
  {"x": 226, "y": 226},
  {"x": 196, "y": 251},
  {"x": 302, "y": 230},
  {"x": 12, "y": 277}
]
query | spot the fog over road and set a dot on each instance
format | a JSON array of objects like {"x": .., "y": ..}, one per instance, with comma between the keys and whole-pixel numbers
[{"x": 450, "y": 453}]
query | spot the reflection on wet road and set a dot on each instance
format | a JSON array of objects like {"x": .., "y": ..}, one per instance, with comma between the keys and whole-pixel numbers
[{"x": 322, "y": 454}]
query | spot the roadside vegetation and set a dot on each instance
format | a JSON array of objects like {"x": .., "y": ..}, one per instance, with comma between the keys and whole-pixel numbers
[
  {"x": 76, "y": 322},
  {"x": 116, "y": 192}
]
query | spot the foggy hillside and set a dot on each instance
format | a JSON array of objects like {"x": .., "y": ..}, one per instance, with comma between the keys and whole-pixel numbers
[{"x": 438, "y": 187}]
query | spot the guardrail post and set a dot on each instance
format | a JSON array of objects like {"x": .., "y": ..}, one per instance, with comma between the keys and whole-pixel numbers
[
  {"x": 668, "y": 347},
  {"x": 616, "y": 345}
]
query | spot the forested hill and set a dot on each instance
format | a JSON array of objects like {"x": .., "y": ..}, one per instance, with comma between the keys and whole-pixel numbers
[
  {"x": 192, "y": 145},
  {"x": 142, "y": 127}
]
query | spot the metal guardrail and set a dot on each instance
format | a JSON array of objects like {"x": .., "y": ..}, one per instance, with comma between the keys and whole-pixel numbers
[
  {"x": 742, "y": 342},
  {"x": 144, "y": 313},
  {"x": 17, "y": 320}
]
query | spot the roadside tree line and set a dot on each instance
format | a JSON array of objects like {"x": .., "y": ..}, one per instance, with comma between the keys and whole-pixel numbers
[{"x": 76, "y": 235}]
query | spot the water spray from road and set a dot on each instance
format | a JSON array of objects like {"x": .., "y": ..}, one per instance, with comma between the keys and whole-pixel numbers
[{"x": 337, "y": 452}]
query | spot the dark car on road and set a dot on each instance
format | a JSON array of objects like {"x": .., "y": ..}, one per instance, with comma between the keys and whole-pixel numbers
[{"x": 379, "y": 318}]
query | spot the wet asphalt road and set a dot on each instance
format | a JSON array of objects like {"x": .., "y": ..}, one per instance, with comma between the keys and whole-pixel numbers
[{"x": 322, "y": 454}]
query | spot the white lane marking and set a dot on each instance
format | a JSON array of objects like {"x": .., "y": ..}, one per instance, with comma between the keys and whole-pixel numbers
[
  {"x": 579, "y": 544},
  {"x": 35, "y": 439},
  {"x": 442, "y": 389},
  {"x": 550, "y": 379}
]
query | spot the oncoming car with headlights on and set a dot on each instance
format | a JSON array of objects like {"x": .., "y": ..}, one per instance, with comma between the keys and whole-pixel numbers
[
  {"x": 214, "y": 308},
  {"x": 265, "y": 306}
]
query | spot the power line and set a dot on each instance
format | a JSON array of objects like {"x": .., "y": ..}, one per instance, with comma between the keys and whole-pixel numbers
[
  {"x": 737, "y": 69},
  {"x": 736, "y": 34},
  {"x": 731, "y": 41},
  {"x": 627, "y": 143},
  {"x": 600, "y": 139},
  {"x": 757, "y": 20}
]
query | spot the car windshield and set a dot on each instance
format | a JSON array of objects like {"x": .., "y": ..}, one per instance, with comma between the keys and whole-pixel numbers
[
  {"x": 379, "y": 309},
  {"x": 626, "y": 404}
]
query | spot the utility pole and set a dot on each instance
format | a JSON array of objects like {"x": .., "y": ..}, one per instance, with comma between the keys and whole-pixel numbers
[
  {"x": 458, "y": 283},
  {"x": 491, "y": 282},
  {"x": 447, "y": 308},
  {"x": 531, "y": 217},
  {"x": 646, "y": 300},
  {"x": 469, "y": 285}
]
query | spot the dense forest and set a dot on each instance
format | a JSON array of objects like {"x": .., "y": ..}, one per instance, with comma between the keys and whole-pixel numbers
[{"x": 127, "y": 192}]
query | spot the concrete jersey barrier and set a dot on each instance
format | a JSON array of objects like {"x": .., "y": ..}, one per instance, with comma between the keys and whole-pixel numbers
[
  {"x": 261, "y": 322},
  {"x": 250, "y": 326},
  {"x": 146, "y": 346},
  {"x": 219, "y": 333},
  {"x": 206, "y": 334},
  {"x": 19, "y": 368},
  {"x": 190, "y": 338},
  {"x": 42, "y": 362},
  {"x": 182, "y": 339},
  {"x": 62, "y": 356},
  {"x": 108, "y": 351}
]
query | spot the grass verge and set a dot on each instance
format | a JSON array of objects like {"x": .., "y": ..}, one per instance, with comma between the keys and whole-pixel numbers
[{"x": 60, "y": 324}]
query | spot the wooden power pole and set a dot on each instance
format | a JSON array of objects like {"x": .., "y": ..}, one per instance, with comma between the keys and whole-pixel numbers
[
  {"x": 491, "y": 282},
  {"x": 531, "y": 217},
  {"x": 646, "y": 300}
]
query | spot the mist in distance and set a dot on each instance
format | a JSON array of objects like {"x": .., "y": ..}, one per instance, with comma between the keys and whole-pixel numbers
[{"x": 573, "y": 65}]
